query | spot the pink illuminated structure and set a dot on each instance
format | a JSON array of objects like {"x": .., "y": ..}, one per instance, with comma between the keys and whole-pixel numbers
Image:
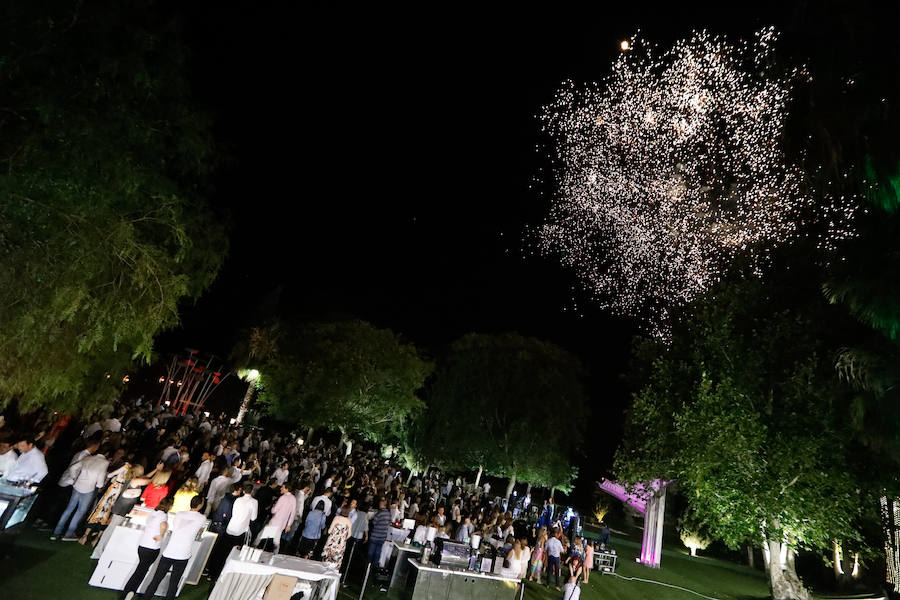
[{"x": 649, "y": 500}]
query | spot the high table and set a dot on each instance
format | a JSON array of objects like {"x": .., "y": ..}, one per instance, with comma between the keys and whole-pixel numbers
[
  {"x": 430, "y": 581},
  {"x": 15, "y": 502},
  {"x": 245, "y": 580},
  {"x": 119, "y": 558},
  {"x": 395, "y": 536},
  {"x": 400, "y": 572}
]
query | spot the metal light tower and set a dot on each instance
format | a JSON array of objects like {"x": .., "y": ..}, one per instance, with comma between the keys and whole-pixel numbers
[{"x": 191, "y": 378}]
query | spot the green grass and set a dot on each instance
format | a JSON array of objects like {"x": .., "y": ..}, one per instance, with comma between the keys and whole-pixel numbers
[{"x": 43, "y": 570}]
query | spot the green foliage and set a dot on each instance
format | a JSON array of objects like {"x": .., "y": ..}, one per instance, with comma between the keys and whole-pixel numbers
[
  {"x": 743, "y": 412},
  {"x": 100, "y": 229},
  {"x": 512, "y": 404},
  {"x": 345, "y": 375},
  {"x": 866, "y": 283}
]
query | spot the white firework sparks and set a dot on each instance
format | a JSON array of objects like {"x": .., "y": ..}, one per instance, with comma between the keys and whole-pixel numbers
[{"x": 669, "y": 169}]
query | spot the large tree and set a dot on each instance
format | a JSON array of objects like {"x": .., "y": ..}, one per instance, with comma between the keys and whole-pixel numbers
[
  {"x": 102, "y": 229},
  {"x": 512, "y": 405},
  {"x": 345, "y": 375},
  {"x": 745, "y": 411}
]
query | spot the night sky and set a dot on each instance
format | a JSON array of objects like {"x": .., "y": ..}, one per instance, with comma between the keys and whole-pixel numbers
[{"x": 388, "y": 166}]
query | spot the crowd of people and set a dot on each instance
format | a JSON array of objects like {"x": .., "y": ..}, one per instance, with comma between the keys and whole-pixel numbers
[{"x": 277, "y": 492}]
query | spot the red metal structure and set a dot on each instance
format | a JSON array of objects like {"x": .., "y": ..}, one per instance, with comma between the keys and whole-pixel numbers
[{"x": 190, "y": 380}]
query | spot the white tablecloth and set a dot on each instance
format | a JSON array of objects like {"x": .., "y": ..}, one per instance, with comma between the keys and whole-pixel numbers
[
  {"x": 244, "y": 579},
  {"x": 396, "y": 534}
]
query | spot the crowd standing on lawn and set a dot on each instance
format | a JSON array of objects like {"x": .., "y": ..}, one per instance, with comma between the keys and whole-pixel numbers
[{"x": 270, "y": 491}]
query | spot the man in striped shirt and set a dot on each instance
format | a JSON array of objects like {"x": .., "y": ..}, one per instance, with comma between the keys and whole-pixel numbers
[{"x": 378, "y": 531}]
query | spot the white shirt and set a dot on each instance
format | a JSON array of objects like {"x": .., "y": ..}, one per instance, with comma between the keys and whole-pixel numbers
[
  {"x": 151, "y": 530},
  {"x": 69, "y": 475},
  {"x": 245, "y": 510},
  {"x": 553, "y": 547},
  {"x": 92, "y": 429},
  {"x": 203, "y": 472},
  {"x": 217, "y": 489},
  {"x": 30, "y": 465},
  {"x": 301, "y": 501},
  {"x": 93, "y": 474},
  {"x": 280, "y": 475},
  {"x": 324, "y": 499},
  {"x": 184, "y": 530},
  {"x": 169, "y": 451},
  {"x": 112, "y": 424},
  {"x": 571, "y": 592},
  {"x": 205, "y": 426},
  {"x": 8, "y": 460}
]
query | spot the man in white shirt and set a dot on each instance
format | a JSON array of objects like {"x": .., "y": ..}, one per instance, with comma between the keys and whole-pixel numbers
[
  {"x": 553, "y": 548},
  {"x": 301, "y": 495},
  {"x": 91, "y": 478},
  {"x": 245, "y": 509},
  {"x": 30, "y": 466},
  {"x": 204, "y": 470},
  {"x": 71, "y": 473},
  {"x": 217, "y": 489},
  {"x": 8, "y": 457},
  {"x": 178, "y": 551},
  {"x": 112, "y": 424},
  {"x": 281, "y": 474},
  {"x": 92, "y": 429},
  {"x": 169, "y": 454},
  {"x": 58, "y": 497},
  {"x": 326, "y": 498}
]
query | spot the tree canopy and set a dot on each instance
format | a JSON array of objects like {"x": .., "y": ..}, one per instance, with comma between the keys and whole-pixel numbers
[
  {"x": 102, "y": 225},
  {"x": 344, "y": 375},
  {"x": 744, "y": 409},
  {"x": 511, "y": 404}
]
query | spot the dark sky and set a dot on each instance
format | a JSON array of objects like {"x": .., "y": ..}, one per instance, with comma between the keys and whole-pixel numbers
[{"x": 382, "y": 164}]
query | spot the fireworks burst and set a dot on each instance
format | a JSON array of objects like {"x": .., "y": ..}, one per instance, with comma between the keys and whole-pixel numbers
[{"x": 671, "y": 168}]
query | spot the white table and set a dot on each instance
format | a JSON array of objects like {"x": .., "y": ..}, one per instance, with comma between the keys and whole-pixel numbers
[
  {"x": 245, "y": 580},
  {"x": 119, "y": 559},
  {"x": 395, "y": 536}
]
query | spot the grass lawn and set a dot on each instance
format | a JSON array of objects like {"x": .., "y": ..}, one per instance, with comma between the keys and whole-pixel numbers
[{"x": 44, "y": 570}]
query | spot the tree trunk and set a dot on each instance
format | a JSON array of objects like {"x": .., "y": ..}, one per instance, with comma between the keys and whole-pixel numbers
[
  {"x": 750, "y": 558},
  {"x": 784, "y": 582},
  {"x": 343, "y": 441},
  {"x": 245, "y": 403},
  {"x": 509, "y": 489},
  {"x": 309, "y": 434},
  {"x": 478, "y": 477},
  {"x": 836, "y": 559},
  {"x": 693, "y": 550}
]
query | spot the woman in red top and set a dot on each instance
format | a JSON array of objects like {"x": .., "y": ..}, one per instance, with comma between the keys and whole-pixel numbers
[{"x": 157, "y": 489}]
